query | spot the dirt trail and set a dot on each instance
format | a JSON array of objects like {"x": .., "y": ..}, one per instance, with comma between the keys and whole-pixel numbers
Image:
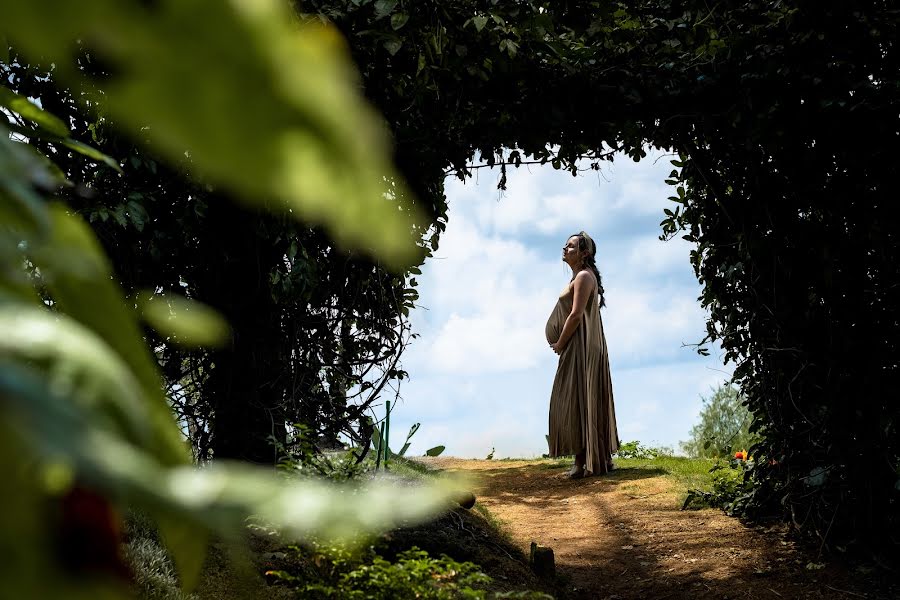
[{"x": 623, "y": 536}]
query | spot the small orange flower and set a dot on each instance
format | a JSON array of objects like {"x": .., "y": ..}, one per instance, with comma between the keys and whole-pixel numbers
[{"x": 741, "y": 455}]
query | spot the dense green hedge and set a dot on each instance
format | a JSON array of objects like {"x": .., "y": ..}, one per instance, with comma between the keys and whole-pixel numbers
[{"x": 784, "y": 116}]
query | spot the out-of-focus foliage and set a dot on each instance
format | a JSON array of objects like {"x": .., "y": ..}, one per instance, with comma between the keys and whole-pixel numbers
[
  {"x": 84, "y": 418},
  {"x": 783, "y": 114},
  {"x": 301, "y": 458},
  {"x": 724, "y": 425},
  {"x": 194, "y": 73}
]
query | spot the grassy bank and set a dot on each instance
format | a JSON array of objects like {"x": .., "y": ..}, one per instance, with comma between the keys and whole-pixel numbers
[{"x": 458, "y": 554}]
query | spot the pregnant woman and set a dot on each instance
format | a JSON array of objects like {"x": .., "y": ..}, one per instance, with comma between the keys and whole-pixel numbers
[{"x": 582, "y": 414}]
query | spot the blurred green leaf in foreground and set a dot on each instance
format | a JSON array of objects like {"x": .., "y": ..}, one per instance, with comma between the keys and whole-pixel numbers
[
  {"x": 264, "y": 106},
  {"x": 262, "y": 102}
]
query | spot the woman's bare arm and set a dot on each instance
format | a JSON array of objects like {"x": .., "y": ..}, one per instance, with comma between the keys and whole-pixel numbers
[{"x": 582, "y": 284}]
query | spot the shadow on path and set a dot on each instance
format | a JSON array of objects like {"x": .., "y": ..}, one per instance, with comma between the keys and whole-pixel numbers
[{"x": 622, "y": 536}]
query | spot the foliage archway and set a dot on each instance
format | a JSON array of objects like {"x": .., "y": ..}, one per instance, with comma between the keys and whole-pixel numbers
[{"x": 784, "y": 116}]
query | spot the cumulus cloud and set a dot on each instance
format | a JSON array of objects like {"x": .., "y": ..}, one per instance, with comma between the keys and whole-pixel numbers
[
  {"x": 649, "y": 256},
  {"x": 650, "y": 325},
  {"x": 484, "y": 343}
]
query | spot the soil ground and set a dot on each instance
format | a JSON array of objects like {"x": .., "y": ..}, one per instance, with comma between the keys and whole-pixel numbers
[{"x": 623, "y": 536}]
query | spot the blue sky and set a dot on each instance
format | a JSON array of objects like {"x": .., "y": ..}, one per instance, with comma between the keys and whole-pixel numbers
[{"x": 481, "y": 372}]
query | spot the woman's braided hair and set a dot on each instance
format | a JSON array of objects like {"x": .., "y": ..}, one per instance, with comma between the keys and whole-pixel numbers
[{"x": 590, "y": 261}]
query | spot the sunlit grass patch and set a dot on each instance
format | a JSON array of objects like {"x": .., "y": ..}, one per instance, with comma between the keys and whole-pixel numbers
[
  {"x": 685, "y": 473},
  {"x": 411, "y": 469},
  {"x": 563, "y": 462}
]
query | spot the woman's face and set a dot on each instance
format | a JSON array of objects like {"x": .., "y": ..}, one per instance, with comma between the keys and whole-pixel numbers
[{"x": 571, "y": 253}]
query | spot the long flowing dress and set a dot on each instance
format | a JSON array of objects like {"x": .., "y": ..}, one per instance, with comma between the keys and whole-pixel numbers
[{"x": 582, "y": 412}]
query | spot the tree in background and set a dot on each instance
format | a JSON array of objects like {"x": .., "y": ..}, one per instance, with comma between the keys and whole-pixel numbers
[{"x": 724, "y": 425}]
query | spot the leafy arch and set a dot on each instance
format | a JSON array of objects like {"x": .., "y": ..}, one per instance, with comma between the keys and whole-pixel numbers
[
  {"x": 784, "y": 114},
  {"x": 785, "y": 118}
]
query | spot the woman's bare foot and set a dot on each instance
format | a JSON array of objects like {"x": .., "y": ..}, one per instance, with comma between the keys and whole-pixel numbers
[{"x": 577, "y": 471}]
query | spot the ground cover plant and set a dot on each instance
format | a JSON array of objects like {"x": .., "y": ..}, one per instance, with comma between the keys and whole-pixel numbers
[{"x": 458, "y": 554}]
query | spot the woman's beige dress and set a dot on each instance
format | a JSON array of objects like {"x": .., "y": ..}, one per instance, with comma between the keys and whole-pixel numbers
[{"x": 582, "y": 413}]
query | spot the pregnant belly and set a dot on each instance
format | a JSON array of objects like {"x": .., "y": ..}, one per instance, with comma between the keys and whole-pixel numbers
[{"x": 553, "y": 328}]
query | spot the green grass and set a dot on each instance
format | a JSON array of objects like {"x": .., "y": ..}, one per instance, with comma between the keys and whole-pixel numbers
[
  {"x": 685, "y": 473},
  {"x": 410, "y": 469},
  {"x": 498, "y": 525}
]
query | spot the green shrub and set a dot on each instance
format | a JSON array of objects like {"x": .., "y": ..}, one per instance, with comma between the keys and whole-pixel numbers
[
  {"x": 635, "y": 449},
  {"x": 414, "y": 575},
  {"x": 301, "y": 457},
  {"x": 731, "y": 487}
]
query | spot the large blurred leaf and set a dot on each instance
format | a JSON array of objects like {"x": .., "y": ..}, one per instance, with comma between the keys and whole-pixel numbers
[
  {"x": 186, "y": 322},
  {"x": 20, "y": 171},
  {"x": 29, "y": 568},
  {"x": 219, "y": 496},
  {"x": 267, "y": 105},
  {"x": 187, "y": 545},
  {"x": 31, "y": 111},
  {"x": 90, "y": 152},
  {"x": 80, "y": 280},
  {"x": 76, "y": 364},
  {"x": 70, "y": 143},
  {"x": 22, "y": 213}
]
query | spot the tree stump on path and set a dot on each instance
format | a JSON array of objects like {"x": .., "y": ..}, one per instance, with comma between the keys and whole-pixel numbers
[{"x": 542, "y": 562}]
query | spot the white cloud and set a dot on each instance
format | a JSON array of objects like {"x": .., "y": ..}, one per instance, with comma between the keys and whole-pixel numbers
[
  {"x": 650, "y": 256},
  {"x": 548, "y": 202},
  {"x": 487, "y": 343},
  {"x": 486, "y": 309},
  {"x": 643, "y": 325}
]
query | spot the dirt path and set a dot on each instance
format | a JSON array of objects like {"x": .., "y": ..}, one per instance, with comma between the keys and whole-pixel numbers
[{"x": 623, "y": 536}]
